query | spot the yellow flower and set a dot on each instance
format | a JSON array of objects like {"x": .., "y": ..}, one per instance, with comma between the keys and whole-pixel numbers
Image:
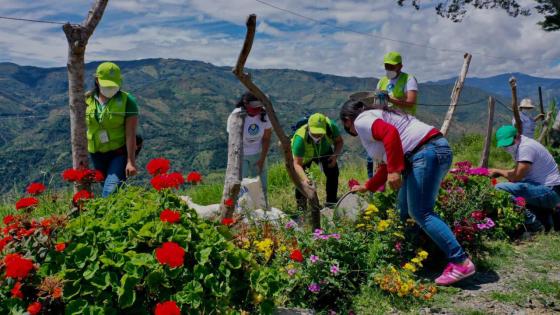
[
  {"x": 410, "y": 267},
  {"x": 371, "y": 209},
  {"x": 417, "y": 261},
  {"x": 265, "y": 246},
  {"x": 360, "y": 225},
  {"x": 366, "y": 218},
  {"x": 422, "y": 254},
  {"x": 283, "y": 248},
  {"x": 383, "y": 225}
]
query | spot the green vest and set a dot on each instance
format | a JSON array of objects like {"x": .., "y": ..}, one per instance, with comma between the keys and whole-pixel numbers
[
  {"x": 398, "y": 89},
  {"x": 313, "y": 149},
  {"x": 111, "y": 122}
]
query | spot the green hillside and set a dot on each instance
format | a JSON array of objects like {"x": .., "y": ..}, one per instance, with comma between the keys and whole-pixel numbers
[{"x": 184, "y": 106}]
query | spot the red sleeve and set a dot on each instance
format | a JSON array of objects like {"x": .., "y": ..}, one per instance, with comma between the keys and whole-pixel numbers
[
  {"x": 379, "y": 179},
  {"x": 389, "y": 135}
]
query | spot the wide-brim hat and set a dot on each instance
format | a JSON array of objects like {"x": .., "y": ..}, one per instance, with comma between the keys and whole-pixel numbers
[{"x": 526, "y": 103}]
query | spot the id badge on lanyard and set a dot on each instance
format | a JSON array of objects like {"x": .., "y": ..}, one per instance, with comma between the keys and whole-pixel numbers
[{"x": 103, "y": 136}]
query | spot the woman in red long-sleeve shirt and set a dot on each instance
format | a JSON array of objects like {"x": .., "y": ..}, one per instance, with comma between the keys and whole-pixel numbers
[{"x": 413, "y": 157}]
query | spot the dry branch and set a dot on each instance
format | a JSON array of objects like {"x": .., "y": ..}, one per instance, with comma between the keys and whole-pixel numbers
[
  {"x": 488, "y": 139},
  {"x": 309, "y": 192},
  {"x": 514, "y": 107}
]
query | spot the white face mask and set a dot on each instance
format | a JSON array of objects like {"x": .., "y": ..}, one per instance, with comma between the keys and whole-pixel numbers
[
  {"x": 316, "y": 140},
  {"x": 109, "y": 92},
  {"x": 391, "y": 74},
  {"x": 512, "y": 149}
]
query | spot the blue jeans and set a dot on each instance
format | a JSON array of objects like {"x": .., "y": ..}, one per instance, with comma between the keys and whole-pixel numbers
[
  {"x": 535, "y": 195},
  {"x": 113, "y": 166},
  {"x": 417, "y": 196}
]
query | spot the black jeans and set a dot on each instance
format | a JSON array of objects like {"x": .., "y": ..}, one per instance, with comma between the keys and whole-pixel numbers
[{"x": 332, "y": 182}]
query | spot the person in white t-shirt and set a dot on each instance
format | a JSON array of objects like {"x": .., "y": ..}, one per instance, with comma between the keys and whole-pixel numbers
[
  {"x": 535, "y": 176},
  {"x": 413, "y": 158},
  {"x": 257, "y": 132},
  {"x": 527, "y": 122}
]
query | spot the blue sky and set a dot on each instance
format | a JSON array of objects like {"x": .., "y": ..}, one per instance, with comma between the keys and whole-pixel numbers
[{"x": 213, "y": 31}]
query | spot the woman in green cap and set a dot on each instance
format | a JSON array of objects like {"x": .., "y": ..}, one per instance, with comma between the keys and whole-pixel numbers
[{"x": 111, "y": 119}]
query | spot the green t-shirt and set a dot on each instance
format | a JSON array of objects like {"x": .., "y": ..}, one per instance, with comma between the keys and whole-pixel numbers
[
  {"x": 324, "y": 147},
  {"x": 131, "y": 106}
]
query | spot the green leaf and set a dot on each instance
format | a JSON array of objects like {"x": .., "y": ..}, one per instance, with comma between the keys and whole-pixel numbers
[
  {"x": 71, "y": 289},
  {"x": 101, "y": 280},
  {"x": 82, "y": 255},
  {"x": 76, "y": 307},
  {"x": 154, "y": 280},
  {"x": 91, "y": 270},
  {"x": 191, "y": 294},
  {"x": 204, "y": 255},
  {"x": 126, "y": 293}
]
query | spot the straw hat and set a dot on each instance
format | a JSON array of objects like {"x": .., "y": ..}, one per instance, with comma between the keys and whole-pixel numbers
[{"x": 526, "y": 103}]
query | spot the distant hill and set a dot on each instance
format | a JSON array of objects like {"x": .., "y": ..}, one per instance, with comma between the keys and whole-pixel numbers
[
  {"x": 527, "y": 86},
  {"x": 184, "y": 106}
]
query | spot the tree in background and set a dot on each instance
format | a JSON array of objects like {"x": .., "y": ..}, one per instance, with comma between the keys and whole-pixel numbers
[{"x": 455, "y": 10}]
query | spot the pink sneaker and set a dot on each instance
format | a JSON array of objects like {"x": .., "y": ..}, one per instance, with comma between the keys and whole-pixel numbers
[{"x": 456, "y": 272}]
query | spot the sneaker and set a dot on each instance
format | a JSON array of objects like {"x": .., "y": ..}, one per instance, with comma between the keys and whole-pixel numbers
[{"x": 456, "y": 272}]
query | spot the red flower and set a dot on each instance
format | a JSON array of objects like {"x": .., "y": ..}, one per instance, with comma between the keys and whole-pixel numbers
[
  {"x": 35, "y": 188},
  {"x": 28, "y": 202},
  {"x": 98, "y": 176},
  {"x": 8, "y": 219},
  {"x": 17, "y": 266},
  {"x": 170, "y": 216},
  {"x": 194, "y": 178},
  {"x": 170, "y": 254},
  {"x": 163, "y": 181},
  {"x": 82, "y": 195},
  {"x": 34, "y": 308},
  {"x": 296, "y": 255},
  {"x": 71, "y": 175},
  {"x": 167, "y": 308},
  {"x": 57, "y": 293},
  {"x": 478, "y": 215},
  {"x": 16, "y": 291},
  {"x": 60, "y": 247},
  {"x": 352, "y": 183},
  {"x": 228, "y": 221},
  {"x": 494, "y": 181},
  {"x": 228, "y": 202},
  {"x": 158, "y": 166},
  {"x": 4, "y": 241}
]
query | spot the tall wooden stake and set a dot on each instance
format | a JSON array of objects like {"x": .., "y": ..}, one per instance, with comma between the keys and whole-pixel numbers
[
  {"x": 543, "y": 137},
  {"x": 514, "y": 107},
  {"x": 309, "y": 192},
  {"x": 232, "y": 183},
  {"x": 488, "y": 139},
  {"x": 540, "y": 101},
  {"x": 456, "y": 93},
  {"x": 78, "y": 36}
]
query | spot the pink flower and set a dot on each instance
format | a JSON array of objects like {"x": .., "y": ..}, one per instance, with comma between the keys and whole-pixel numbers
[
  {"x": 290, "y": 224},
  {"x": 352, "y": 183},
  {"x": 314, "y": 259},
  {"x": 480, "y": 171},
  {"x": 520, "y": 201},
  {"x": 292, "y": 272},
  {"x": 334, "y": 269},
  {"x": 314, "y": 287}
]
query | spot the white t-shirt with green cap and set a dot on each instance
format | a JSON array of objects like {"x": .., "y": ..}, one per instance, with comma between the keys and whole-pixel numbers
[{"x": 544, "y": 170}]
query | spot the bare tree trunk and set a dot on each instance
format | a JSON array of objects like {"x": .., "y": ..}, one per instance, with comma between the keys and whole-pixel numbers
[
  {"x": 309, "y": 192},
  {"x": 488, "y": 140},
  {"x": 232, "y": 183},
  {"x": 514, "y": 107},
  {"x": 541, "y": 106},
  {"x": 456, "y": 93},
  {"x": 78, "y": 36}
]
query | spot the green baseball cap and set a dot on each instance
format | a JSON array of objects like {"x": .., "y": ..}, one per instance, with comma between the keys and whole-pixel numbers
[
  {"x": 317, "y": 124},
  {"x": 109, "y": 75},
  {"x": 506, "y": 136},
  {"x": 392, "y": 58}
]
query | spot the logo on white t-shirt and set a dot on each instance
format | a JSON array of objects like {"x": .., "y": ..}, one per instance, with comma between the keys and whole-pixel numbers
[{"x": 253, "y": 129}]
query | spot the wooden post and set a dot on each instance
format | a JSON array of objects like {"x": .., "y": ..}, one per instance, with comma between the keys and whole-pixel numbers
[
  {"x": 540, "y": 101},
  {"x": 78, "y": 36},
  {"x": 232, "y": 183},
  {"x": 309, "y": 192},
  {"x": 456, "y": 93},
  {"x": 514, "y": 107},
  {"x": 543, "y": 137},
  {"x": 488, "y": 140}
]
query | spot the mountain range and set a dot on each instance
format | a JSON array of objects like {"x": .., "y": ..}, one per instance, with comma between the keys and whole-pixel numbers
[{"x": 184, "y": 107}]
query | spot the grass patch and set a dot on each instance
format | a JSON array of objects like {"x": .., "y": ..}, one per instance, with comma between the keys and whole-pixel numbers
[
  {"x": 508, "y": 297},
  {"x": 372, "y": 301},
  {"x": 497, "y": 255},
  {"x": 543, "y": 286}
]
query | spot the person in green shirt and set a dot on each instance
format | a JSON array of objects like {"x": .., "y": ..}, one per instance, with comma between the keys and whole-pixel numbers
[
  {"x": 111, "y": 120},
  {"x": 401, "y": 87},
  {"x": 319, "y": 141}
]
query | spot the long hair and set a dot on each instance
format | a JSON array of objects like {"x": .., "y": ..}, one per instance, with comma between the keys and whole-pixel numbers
[
  {"x": 351, "y": 109},
  {"x": 249, "y": 97}
]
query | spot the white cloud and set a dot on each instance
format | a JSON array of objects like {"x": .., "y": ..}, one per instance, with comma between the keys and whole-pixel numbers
[{"x": 198, "y": 29}]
